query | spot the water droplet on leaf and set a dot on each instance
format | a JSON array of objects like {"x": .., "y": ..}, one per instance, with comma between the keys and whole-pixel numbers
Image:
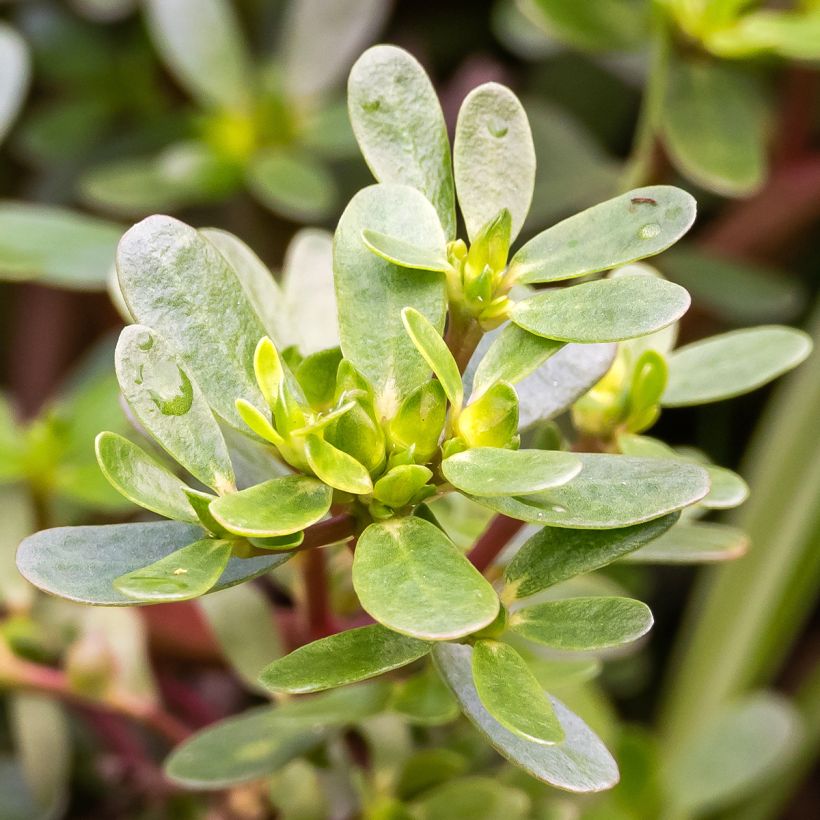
[
  {"x": 371, "y": 105},
  {"x": 649, "y": 231},
  {"x": 170, "y": 389},
  {"x": 497, "y": 127}
]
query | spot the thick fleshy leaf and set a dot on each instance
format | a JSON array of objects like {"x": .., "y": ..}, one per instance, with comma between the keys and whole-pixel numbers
[
  {"x": 14, "y": 76},
  {"x": 553, "y": 554},
  {"x": 134, "y": 474},
  {"x": 400, "y": 128},
  {"x": 81, "y": 563},
  {"x": 733, "y": 363},
  {"x": 404, "y": 254},
  {"x": 714, "y": 125},
  {"x": 176, "y": 282},
  {"x": 262, "y": 740},
  {"x": 492, "y": 471},
  {"x": 171, "y": 406},
  {"x": 581, "y": 624},
  {"x": 492, "y": 419},
  {"x": 56, "y": 246},
  {"x": 340, "y": 659},
  {"x": 629, "y": 227},
  {"x": 410, "y": 577},
  {"x": 580, "y": 764},
  {"x": 610, "y": 491},
  {"x": 180, "y": 576},
  {"x": 479, "y": 798},
  {"x": 201, "y": 42},
  {"x": 431, "y": 345},
  {"x": 512, "y": 695},
  {"x": 513, "y": 355},
  {"x": 493, "y": 158},
  {"x": 337, "y": 468},
  {"x": 695, "y": 543},
  {"x": 608, "y": 310},
  {"x": 277, "y": 507},
  {"x": 371, "y": 291}
]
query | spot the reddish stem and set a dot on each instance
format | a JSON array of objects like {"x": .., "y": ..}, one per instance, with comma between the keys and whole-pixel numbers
[
  {"x": 333, "y": 530},
  {"x": 493, "y": 540},
  {"x": 319, "y": 616}
]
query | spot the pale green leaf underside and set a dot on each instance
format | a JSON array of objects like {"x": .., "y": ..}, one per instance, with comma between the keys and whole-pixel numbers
[
  {"x": 583, "y": 624},
  {"x": 431, "y": 345},
  {"x": 733, "y": 363},
  {"x": 580, "y": 764},
  {"x": 404, "y": 254},
  {"x": 492, "y": 471},
  {"x": 629, "y": 227},
  {"x": 410, "y": 577},
  {"x": 511, "y": 694},
  {"x": 15, "y": 71},
  {"x": 696, "y": 543},
  {"x": 608, "y": 310},
  {"x": 610, "y": 491},
  {"x": 277, "y": 507},
  {"x": 81, "y": 563},
  {"x": 493, "y": 158},
  {"x": 341, "y": 659}
]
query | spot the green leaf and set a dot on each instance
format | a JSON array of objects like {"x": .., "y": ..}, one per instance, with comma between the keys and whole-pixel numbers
[
  {"x": 513, "y": 355},
  {"x": 400, "y": 128},
  {"x": 400, "y": 485},
  {"x": 371, "y": 291},
  {"x": 792, "y": 35},
  {"x": 512, "y": 695},
  {"x": 610, "y": 491},
  {"x": 582, "y": 624},
  {"x": 337, "y": 468},
  {"x": 580, "y": 764},
  {"x": 431, "y": 345},
  {"x": 277, "y": 507},
  {"x": 493, "y": 158},
  {"x": 714, "y": 125},
  {"x": 202, "y": 44},
  {"x": 179, "y": 284},
  {"x": 171, "y": 406},
  {"x": 81, "y": 563},
  {"x": 479, "y": 798},
  {"x": 180, "y": 576},
  {"x": 733, "y": 363},
  {"x": 347, "y": 657},
  {"x": 292, "y": 184},
  {"x": 55, "y": 246},
  {"x": 410, "y": 577},
  {"x": 404, "y": 254},
  {"x": 491, "y": 420},
  {"x": 134, "y": 474},
  {"x": 15, "y": 72},
  {"x": 695, "y": 543},
  {"x": 491, "y": 471},
  {"x": 629, "y": 227},
  {"x": 424, "y": 700},
  {"x": 316, "y": 375},
  {"x": 553, "y": 554},
  {"x": 420, "y": 420},
  {"x": 608, "y": 310}
]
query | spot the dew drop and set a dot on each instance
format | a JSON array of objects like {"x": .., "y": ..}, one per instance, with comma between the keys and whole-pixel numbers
[
  {"x": 180, "y": 571},
  {"x": 145, "y": 341},
  {"x": 170, "y": 389},
  {"x": 497, "y": 127},
  {"x": 558, "y": 508},
  {"x": 371, "y": 105},
  {"x": 649, "y": 231}
]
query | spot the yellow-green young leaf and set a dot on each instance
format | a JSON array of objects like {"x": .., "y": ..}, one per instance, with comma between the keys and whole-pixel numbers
[
  {"x": 581, "y": 624},
  {"x": 175, "y": 281},
  {"x": 512, "y": 695},
  {"x": 493, "y": 158},
  {"x": 15, "y": 71},
  {"x": 171, "y": 406},
  {"x": 608, "y": 310},
  {"x": 733, "y": 363},
  {"x": 791, "y": 34},
  {"x": 424, "y": 699},
  {"x": 714, "y": 125},
  {"x": 316, "y": 375},
  {"x": 429, "y": 343},
  {"x": 336, "y": 467},
  {"x": 399, "y": 486},
  {"x": 201, "y": 503},
  {"x": 405, "y": 254},
  {"x": 184, "y": 574},
  {"x": 581, "y": 763},
  {"x": 202, "y": 44},
  {"x": 277, "y": 507},
  {"x": 258, "y": 421},
  {"x": 371, "y": 291},
  {"x": 629, "y": 227},
  {"x": 338, "y": 660},
  {"x": 491, "y": 420},
  {"x": 695, "y": 543},
  {"x": 400, "y": 128},
  {"x": 493, "y": 471},
  {"x": 553, "y": 554},
  {"x": 513, "y": 355},
  {"x": 410, "y": 577},
  {"x": 479, "y": 798},
  {"x": 420, "y": 420},
  {"x": 142, "y": 480},
  {"x": 81, "y": 563},
  {"x": 610, "y": 491}
]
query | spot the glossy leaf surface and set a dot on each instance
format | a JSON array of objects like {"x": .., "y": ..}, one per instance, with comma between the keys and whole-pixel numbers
[{"x": 337, "y": 468}]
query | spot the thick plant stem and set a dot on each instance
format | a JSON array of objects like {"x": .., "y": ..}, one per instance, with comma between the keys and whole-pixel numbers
[
  {"x": 319, "y": 617},
  {"x": 462, "y": 337},
  {"x": 494, "y": 539},
  {"x": 333, "y": 530}
]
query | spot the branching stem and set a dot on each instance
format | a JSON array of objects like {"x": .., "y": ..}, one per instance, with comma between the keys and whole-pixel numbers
[{"x": 493, "y": 540}]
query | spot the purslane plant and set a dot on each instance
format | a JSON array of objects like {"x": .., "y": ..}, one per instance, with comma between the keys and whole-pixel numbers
[{"x": 358, "y": 443}]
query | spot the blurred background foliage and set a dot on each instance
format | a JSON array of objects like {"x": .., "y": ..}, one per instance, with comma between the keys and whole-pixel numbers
[{"x": 234, "y": 117}]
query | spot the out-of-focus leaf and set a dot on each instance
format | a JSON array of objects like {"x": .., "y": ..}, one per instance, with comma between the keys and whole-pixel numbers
[
  {"x": 18, "y": 521},
  {"x": 296, "y": 792},
  {"x": 695, "y": 543},
  {"x": 424, "y": 699},
  {"x": 479, "y": 798},
  {"x": 14, "y": 76},
  {"x": 793, "y": 35}
]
